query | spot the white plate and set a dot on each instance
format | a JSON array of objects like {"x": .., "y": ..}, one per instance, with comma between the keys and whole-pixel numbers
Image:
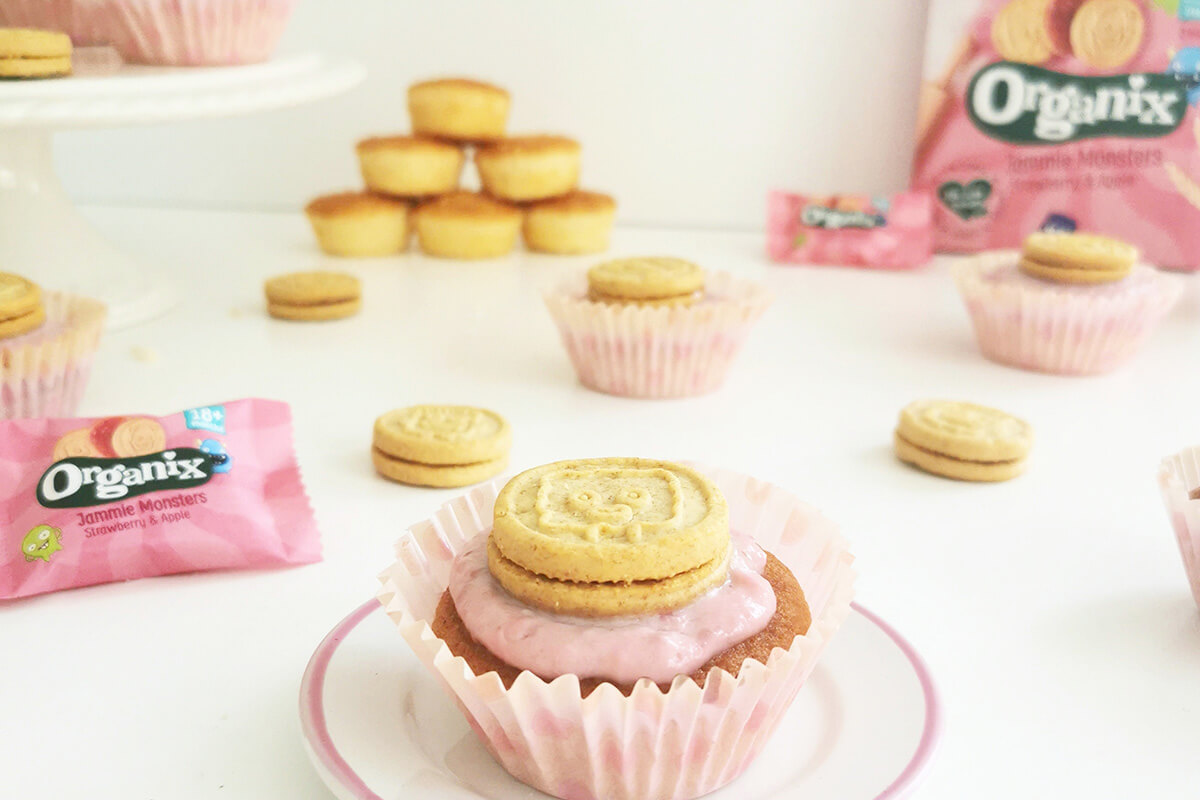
[{"x": 377, "y": 725}]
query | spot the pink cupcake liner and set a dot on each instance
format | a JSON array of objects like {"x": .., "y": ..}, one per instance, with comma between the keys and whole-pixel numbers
[
  {"x": 646, "y": 352},
  {"x": 1058, "y": 328},
  {"x": 676, "y": 745},
  {"x": 52, "y": 15},
  {"x": 44, "y": 372},
  {"x": 1178, "y": 477},
  {"x": 190, "y": 32}
]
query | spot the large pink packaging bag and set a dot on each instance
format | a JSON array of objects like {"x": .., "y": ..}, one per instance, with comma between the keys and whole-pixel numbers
[
  {"x": 1063, "y": 115},
  {"x": 86, "y": 501}
]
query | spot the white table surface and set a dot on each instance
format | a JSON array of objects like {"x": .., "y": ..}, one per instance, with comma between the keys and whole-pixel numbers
[{"x": 1053, "y": 610}]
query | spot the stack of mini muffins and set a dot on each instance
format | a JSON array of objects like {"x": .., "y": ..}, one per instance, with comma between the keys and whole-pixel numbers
[{"x": 529, "y": 184}]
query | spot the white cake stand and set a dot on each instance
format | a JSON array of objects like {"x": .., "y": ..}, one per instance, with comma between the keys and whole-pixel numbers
[{"x": 44, "y": 236}]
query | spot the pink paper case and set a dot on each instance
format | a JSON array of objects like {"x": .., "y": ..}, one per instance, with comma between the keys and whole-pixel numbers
[
  {"x": 187, "y": 33},
  {"x": 1178, "y": 478},
  {"x": 1059, "y": 328},
  {"x": 87, "y": 501},
  {"x": 676, "y": 745},
  {"x": 851, "y": 230},
  {"x": 43, "y": 373},
  {"x": 657, "y": 352},
  {"x": 51, "y": 15}
]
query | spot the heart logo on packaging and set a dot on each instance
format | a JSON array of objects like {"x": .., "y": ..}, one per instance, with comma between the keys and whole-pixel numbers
[{"x": 966, "y": 201}]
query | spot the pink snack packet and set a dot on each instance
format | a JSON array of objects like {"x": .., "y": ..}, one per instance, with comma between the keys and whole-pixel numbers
[
  {"x": 1063, "y": 115},
  {"x": 87, "y": 501},
  {"x": 851, "y": 230}
]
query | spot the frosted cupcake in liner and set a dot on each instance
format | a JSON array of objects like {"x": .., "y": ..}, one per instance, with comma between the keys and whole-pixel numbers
[
  {"x": 680, "y": 346},
  {"x": 679, "y": 741},
  {"x": 43, "y": 373},
  {"x": 1062, "y": 328},
  {"x": 188, "y": 33},
  {"x": 1179, "y": 480}
]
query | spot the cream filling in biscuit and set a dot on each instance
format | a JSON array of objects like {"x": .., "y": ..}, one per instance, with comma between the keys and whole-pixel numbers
[
  {"x": 384, "y": 454},
  {"x": 607, "y": 599},
  {"x": 619, "y": 649},
  {"x": 322, "y": 303},
  {"x": 956, "y": 458}
]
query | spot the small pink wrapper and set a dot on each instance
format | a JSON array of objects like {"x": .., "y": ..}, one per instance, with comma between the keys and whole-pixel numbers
[
  {"x": 87, "y": 501},
  {"x": 676, "y": 745},
  {"x": 44, "y": 372},
  {"x": 1059, "y": 328},
  {"x": 189, "y": 33},
  {"x": 659, "y": 353},
  {"x": 851, "y": 230},
  {"x": 1178, "y": 477},
  {"x": 51, "y": 15}
]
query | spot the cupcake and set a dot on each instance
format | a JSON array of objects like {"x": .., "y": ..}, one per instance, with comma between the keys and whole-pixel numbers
[
  {"x": 578, "y": 222},
  {"x": 409, "y": 166},
  {"x": 622, "y": 628},
  {"x": 467, "y": 225},
  {"x": 526, "y": 168},
  {"x": 1179, "y": 480},
  {"x": 458, "y": 109},
  {"x": 47, "y": 341},
  {"x": 654, "y": 327},
  {"x": 1071, "y": 304},
  {"x": 359, "y": 224},
  {"x": 187, "y": 33}
]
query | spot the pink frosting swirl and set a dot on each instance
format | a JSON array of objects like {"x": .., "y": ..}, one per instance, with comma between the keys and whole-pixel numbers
[{"x": 620, "y": 649}]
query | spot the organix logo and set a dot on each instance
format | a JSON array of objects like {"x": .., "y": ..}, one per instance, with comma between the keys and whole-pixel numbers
[
  {"x": 81, "y": 482},
  {"x": 1022, "y": 104},
  {"x": 835, "y": 219}
]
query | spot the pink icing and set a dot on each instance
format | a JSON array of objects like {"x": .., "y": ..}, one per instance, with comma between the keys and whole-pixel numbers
[
  {"x": 620, "y": 649},
  {"x": 1142, "y": 279}
]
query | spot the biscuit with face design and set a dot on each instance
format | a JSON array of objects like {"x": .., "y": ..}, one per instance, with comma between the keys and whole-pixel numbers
[
  {"x": 611, "y": 520},
  {"x": 440, "y": 445}
]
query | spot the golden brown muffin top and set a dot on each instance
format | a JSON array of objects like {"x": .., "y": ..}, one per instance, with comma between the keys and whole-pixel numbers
[
  {"x": 529, "y": 145},
  {"x": 468, "y": 204},
  {"x": 331, "y": 205},
  {"x": 578, "y": 200},
  {"x": 410, "y": 143},
  {"x": 457, "y": 83}
]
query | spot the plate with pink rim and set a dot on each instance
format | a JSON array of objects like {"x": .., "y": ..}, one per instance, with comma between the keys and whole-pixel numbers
[{"x": 377, "y": 726}]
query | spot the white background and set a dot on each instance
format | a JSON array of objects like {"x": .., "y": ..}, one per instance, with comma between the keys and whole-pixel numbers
[
  {"x": 1053, "y": 609},
  {"x": 688, "y": 110}
]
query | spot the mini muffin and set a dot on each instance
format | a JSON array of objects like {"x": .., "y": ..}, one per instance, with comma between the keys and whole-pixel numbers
[
  {"x": 467, "y": 225},
  {"x": 526, "y": 168},
  {"x": 458, "y": 109},
  {"x": 359, "y": 224},
  {"x": 579, "y": 222},
  {"x": 409, "y": 166},
  {"x": 663, "y": 686},
  {"x": 1069, "y": 304}
]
